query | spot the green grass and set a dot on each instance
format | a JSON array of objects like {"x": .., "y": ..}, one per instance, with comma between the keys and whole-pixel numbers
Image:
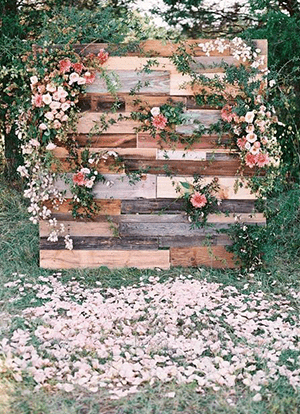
[{"x": 19, "y": 254}]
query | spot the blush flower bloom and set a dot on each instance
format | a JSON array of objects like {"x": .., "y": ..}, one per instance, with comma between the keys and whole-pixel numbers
[
  {"x": 198, "y": 200},
  {"x": 78, "y": 67},
  {"x": 37, "y": 100},
  {"x": 65, "y": 65},
  {"x": 89, "y": 77},
  {"x": 159, "y": 121},
  {"x": 79, "y": 178},
  {"x": 262, "y": 159},
  {"x": 250, "y": 160},
  {"x": 102, "y": 56},
  {"x": 226, "y": 113}
]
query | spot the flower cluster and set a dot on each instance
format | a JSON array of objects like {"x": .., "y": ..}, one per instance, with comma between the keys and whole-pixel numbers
[
  {"x": 201, "y": 200},
  {"x": 56, "y": 81},
  {"x": 239, "y": 49},
  {"x": 254, "y": 132}
]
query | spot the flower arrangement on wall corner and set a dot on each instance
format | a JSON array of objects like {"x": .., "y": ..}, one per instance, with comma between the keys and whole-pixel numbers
[{"x": 58, "y": 78}]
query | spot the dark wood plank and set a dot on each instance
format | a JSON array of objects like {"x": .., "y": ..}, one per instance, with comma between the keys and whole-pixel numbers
[
  {"x": 218, "y": 168},
  {"x": 185, "y": 241},
  {"x": 145, "y": 140},
  {"x": 103, "y": 243},
  {"x": 107, "y": 140},
  {"x": 176, "y": 206}
]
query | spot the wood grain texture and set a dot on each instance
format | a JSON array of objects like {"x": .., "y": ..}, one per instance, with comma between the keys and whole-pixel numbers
[
  {"x": 186, "y": 241},
  {"x": 81, "y": 228},
  {"x": 110, "y": 207},
  {"x": 166, "y": 187},
  {"x": 156, "y": 82},
  {"x": 107, "y": 140},
  {"x": 214, "y": 256},
  {"x": 74, "y": 259},
  {"x": 89, "y": 122},
  {"x": 176, "y": 206},
  {"x": 104, "y": 243},
  {"x": 118, "y": 186},
  {"x": 189, "y": 168},
  {"x": 145, "y": 140}
]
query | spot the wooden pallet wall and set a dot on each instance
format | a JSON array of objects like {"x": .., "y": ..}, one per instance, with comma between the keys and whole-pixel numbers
[{"x": 144, "y": 225}]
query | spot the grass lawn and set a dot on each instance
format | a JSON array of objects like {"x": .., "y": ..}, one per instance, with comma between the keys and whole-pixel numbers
[{"x": 146, "y": 341}]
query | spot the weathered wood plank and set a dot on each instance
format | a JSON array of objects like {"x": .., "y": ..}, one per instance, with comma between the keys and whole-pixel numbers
[
  {"x": 203, "y": 240},
  {"x": 110, "y": 207},
  {"x": 156, "y": 82},
  {"x": 89, "y": 122},
  {"x": 176, "y": 206},
  {"x": 145, "y": 140},
  {"x": 66, "y": 259},
  {"x": 190, "y": 168},
  {"x": 214, "y": 256},
  {"x": 193, "y": 155},
  {"x": 81, "y": 228},
  {"x": 103, "y": 243},
  {"x": 107, "y": 140},
  {"x": 205, "y": 117},
  {"x": 180, "y": 85},
  {"x": 166, "y": 187},
  {"x": 119, "y": 187},
  {"x": 126, "y": 153}
]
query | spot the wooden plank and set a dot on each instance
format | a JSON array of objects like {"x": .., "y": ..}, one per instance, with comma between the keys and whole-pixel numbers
[
  {"x": 156, "y": 82},
  {"x": 81, "y": 228},
  {"x": 117, "y": 186},
  {"x": 110, "y": 207},
  {"x": 134, "y": 102},
  {"x": 193, "y": 155},
  {"x": 127, "y": 153},
  {"x": 142, "y": 259},
  {"x": 103, "y": 243},
  {"x": 176, "y": 206},
  {"x": 218, "y": 167},
  {"x": 203, "y": 240},
  {"x": 107, "y": 140},
  {"x": 205, "y": 117},
  {"x": 214, "y": 256},
  {"x": 180, "y": 84},
  {"x": 166, "y": 187},
  {"x": 90, "y": 121},
  {"x": 145, "y": 140},
  {"x": 160, "y": 48}
]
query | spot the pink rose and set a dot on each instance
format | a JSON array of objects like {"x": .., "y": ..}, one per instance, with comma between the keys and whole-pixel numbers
[
  {"x": 65, "y": 65},
  {"x": 198, "y": 200},
  {"x": 262, "y": 159},
  {"x": 226, "y": 113},
  {"x": 241, "y": 143},
  {"x": 159, "y": 121},
  {"x": 250, "y": 160},
  {"x": 89, "y": 77},
  {"x": 79, "y": 178},
  {"x": 78, "y": 67},
  {"x": 102, "y": 56},
  {"x": 38, "y": 100}
]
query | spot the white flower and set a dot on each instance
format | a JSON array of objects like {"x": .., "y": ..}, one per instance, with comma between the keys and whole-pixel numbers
[
  {"x": 85, "y": 170},
  {"x": 22, "y": 171},
  {"x": 257, "y": 397},
  {"x": 90, "y": 183},
  {"x": 272, "y": 82},
  {"x": 49, "y": 115},
  {"x": 73, "y": 78},
  {"x": 249, "y": 117},
  {"x": 43, "y": 126},
  {"x": 55, "y": 105},
  {"x": 65, "y": 106},
  {"x": 34, "y": 80},
  {"x": 34, "y": 143},
  {"x": 56, "y": 124},
  {"x": 62, "y": 93},
  {"x": 81, "y": 81},
  {"x": 155, "y": 111},
  {"x": 47, "y": 99},
  {"x": 50, "y": 146},
  {"x": 50, "y": 87},
  {"x": 251, "y": 137}
]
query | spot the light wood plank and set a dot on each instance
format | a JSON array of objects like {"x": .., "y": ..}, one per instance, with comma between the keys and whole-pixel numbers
[
  {"x": 145, "y": 140},
  {"x": 142, "y": 259},
  {"x": 166, "y": 189},
  {"x": 156, "y": 82},
  {"x": 89, "y": 121},
  {"x": 119, "y": 187},
  {"x": 80, "y": 228},
  {"x": 205, "y": 117},
  {"x": 110, "y": 207},
  {"x": 107, "y": 140},
  {"x": 213, "y": 256}
]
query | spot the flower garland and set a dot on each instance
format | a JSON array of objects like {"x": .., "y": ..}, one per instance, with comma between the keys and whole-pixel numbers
[{"x": 56, "y": 82}]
